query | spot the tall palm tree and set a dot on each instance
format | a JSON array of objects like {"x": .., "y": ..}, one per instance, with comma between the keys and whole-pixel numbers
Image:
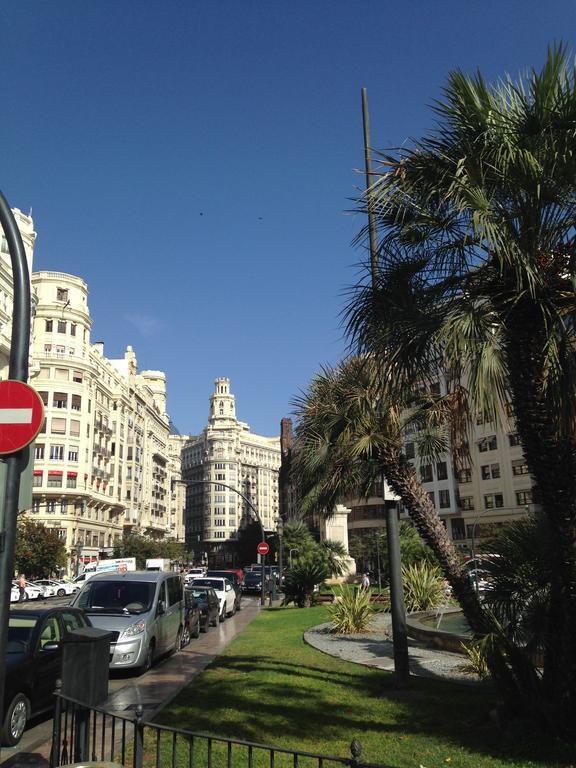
[
  {"x": 347, "y": 437},
  {"x": 477, "y": 268}
]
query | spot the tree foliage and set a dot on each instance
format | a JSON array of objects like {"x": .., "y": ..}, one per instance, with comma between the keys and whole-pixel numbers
[{"x": 39, "y": 550}]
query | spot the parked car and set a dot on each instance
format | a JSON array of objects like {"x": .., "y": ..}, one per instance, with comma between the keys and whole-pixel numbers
[
  {"x": 46, "y": 590},
  {"x": 33, "y": 663},
  {"x": 224, "y": 591},
  {"x": 208, "y": 604},
  {"x": 253, "y": 581},
  {"x": 143, "y": 609},
  {"x": 30, "y": 592},
  {"x": 191, "y": 627},
  {"x": 194, "y": 573},
  {"x": 232, "y": 577},
  {"x": 61, "y": 588}
]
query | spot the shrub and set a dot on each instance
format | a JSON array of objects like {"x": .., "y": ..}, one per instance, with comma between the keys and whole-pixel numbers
[
  {"x": 423, "y": 587},
  {"x": 475, "y": 660},
  {"x": 351, "y": 611},
  {"x": 301, "y": 580}
]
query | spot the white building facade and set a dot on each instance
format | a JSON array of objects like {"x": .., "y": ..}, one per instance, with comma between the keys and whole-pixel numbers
[
  {"x": 102, "y": 454},
  {"x": 221, "y": 466}
]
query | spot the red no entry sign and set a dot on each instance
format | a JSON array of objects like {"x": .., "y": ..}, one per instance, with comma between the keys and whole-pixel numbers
[
  {"x": 21, "y": 415},
  {"x": 263, "y": 548}
]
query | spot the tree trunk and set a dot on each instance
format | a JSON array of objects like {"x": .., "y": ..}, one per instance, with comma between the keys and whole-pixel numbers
[
  {"x": 402, "y": 479},
  {"x": 551, "y": 458}
]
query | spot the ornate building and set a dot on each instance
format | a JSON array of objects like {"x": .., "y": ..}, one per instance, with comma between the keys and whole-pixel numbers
[
  {"x": 102, "y": 454},
  {"x": 246, "y": 465}
]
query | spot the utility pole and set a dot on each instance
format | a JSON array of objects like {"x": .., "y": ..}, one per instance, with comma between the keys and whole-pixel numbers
[{"x": 18, "y": 371}]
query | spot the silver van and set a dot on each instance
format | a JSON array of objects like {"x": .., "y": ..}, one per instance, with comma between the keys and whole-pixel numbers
[{"x": 143, "y": 609}]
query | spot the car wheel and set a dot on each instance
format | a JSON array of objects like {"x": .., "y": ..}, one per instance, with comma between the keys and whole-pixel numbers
[
  {"x": 222, "y": 616},
  {"x": 196, "y": 632},
  {"x": 214, "y": 621},
  {"x": 185, "y": 636},
  {"x": 148, "y": 660},
  {"x": 15, "y": 720},
  {"x": 178, "y": 643},
  {"x": 61, "y": 592}
]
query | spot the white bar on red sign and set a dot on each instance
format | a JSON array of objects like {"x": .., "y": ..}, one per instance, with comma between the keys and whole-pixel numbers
[{"x": 15, "y": 415}]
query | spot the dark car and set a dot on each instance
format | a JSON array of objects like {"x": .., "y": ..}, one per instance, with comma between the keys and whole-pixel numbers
[
  {"x": 208, "y": 604},
  {"x": 34, "y": 663},
  {"x": 253, "y": 581},
  {"x": 191, "y": 626},
  {"x": 234, "y": 579}
]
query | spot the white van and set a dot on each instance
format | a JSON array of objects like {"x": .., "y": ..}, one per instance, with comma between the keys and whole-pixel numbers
[
  {"x": 143, "y": 609},
  {"x": 111, "y": 565}
]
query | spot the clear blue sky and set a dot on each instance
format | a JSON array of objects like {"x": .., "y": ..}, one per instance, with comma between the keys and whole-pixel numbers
[{"x": 194, "y": 162}]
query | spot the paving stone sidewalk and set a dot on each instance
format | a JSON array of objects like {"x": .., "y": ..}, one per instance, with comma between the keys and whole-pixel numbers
[{"x": 374, "y": 649}]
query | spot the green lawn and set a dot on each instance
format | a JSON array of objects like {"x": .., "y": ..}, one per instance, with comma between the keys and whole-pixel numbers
[{"x": 270, "y": 687}]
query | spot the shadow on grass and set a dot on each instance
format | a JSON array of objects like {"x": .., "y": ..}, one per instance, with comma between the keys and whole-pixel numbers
[{"x": 265, "y": 699}]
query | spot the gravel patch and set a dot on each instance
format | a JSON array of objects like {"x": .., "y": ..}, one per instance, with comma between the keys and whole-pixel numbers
[{"x": 374, "y": 649}]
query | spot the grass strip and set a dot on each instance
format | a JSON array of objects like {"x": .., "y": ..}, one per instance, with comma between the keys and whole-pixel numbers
[{"x": 270, "y": 687}]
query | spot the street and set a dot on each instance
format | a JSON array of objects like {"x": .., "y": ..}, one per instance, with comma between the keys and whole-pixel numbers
[{"x": 152, "y": 690}]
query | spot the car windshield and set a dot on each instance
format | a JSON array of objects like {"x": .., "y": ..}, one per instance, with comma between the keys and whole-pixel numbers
[
  {"x": 216, "y": 583},
  {"x": 19, "y": 633},
  {"x": 125, "y": 597},
  {"x": 200, "y": 593}
]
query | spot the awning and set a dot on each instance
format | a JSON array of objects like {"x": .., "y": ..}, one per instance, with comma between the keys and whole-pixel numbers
[
  {"x": 38, "y": 472},
  {"x": 55, "y": 472},
  {"x": 72, "y": 474}
]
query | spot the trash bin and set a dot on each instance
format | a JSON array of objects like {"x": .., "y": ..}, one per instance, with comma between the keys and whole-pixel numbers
[{"x": 85, "y": 665}]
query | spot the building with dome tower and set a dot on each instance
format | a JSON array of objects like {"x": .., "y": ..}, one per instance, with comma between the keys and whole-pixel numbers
[{"x": 245, "y": 463}]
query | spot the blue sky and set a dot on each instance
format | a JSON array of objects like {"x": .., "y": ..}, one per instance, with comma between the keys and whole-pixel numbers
[{"x": 195, "y": 163}]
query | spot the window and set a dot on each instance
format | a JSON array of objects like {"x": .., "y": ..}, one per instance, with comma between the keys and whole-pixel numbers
[
  {"x": 467, "y": 503},
  {"x": 490, "y": 471},
  {"x": 76, "y": 403},
  {"x": 432, "y": 497},
  {"x": 72, "y": 329},
  {"x": 74, "y": 427},
  {"x": 514, "y": 439},
  {"x": 174, "y": 591},
  {"x": 4, "y": 248},
  {"x": 426, "y": 473},
  {"x": 60, "y": 400},
  {"x": 523, "y": 498},
  {"x": 61, "y": 374},
  {"x": 37, "y": 479},
  {"x": 488, "y": 444},
  {"x": 57, "y": 452},
  {"x": 77, "y": 376},
  {"x": 441, "y": 471},
  {"x": 61, "y": 326},
  {"x": 58, "y": 426},
  {"x": 73, "y": 454},
  {"x": 49, "y": 325},
  {"x": 519, "y": 467},
  {"x": 494, "y": 501},
  {"x": 444, "y": 499},
  {"x": 465, "y": 475},
  {"x": 39, "y": 451},
  {"x": 44, "y": 397},
  {"x": 71, "y": 481},
  {"x": 54, "y": 481},
  {"x": 61, "y": 294},
  {"x": 409, "y": 450}
]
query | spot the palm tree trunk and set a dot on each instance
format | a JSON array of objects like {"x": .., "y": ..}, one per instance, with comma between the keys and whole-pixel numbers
[
  {"x": 551, "y": 458},
  {"x": 402, "y": 479}
]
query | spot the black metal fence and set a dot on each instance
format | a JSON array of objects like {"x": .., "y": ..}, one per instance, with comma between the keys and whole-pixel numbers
[{"x": 83, "y": 733}]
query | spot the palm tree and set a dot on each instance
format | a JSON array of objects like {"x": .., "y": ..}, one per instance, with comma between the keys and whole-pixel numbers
[
  {"x": 345, "y": 439},
  {"x": 476, "y": 276}
]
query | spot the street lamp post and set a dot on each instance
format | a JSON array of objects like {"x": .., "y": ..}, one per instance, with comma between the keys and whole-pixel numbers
[
  {"x": 280, "y": 530},
  {"x": 290, "y": 555},
  {"x": 78, "y": 550},
  {"x": 254, "y": 510}
]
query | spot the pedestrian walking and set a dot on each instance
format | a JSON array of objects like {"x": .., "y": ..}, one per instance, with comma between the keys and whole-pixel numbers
[
  {"x": 365, "y": 581},
  {"x": 22, "y": 587}
]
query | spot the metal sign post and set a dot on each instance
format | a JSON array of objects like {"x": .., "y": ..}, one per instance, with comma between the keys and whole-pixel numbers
[{"x": 18, "y": 371}]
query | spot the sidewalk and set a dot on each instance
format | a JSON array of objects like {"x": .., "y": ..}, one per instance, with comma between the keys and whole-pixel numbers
[
  {"x": 154, "y": 690},
  {"x": 374, "y": 649}
]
